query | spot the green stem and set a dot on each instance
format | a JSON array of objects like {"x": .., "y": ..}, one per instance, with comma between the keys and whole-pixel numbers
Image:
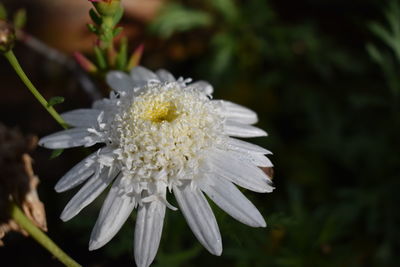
[
  {"x": 40, "y": 237},
  {"x": 18, "y": 69}
]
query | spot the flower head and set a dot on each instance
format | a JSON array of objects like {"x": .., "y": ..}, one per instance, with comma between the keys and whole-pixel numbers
[
  {"x": 7, "y": 36},
  {"x": 161, "y": 134}
]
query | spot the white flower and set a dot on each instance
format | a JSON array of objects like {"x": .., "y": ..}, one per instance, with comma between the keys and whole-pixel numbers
[{"x": 160, "y": 133}]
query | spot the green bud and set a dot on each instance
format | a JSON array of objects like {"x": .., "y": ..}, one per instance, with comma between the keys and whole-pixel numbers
[
  {"x": 7, "y": 37},
  {"x": 107, "y": 8}
]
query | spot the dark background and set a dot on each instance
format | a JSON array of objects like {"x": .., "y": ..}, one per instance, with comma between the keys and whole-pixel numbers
[{"x": 324, "y": 78}]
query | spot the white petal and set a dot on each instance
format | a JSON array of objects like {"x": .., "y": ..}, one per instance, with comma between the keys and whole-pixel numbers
[
  {"x": 89, "y": 192},
  {"x": 242, "y": 130},
  {"x": 141, "y": 76},
  {"x": 78, "y": 174},
  {"x": 104, "y": 104},
  {"x": 244, "y": 174},
  {"x": 165, "y": 76},
  {"x": 148, "y": 230},
  {"x": 119, "y": 81},
  {"x": 242, "y": 146},
  {"x": 233, "y": 202},
  {"x": 253, "y": 158},
  {"x": 81, "y": 117},
  {"x": 66, "y": 139},
  {"x": 200, "y": 217},
  {"x": 236, "y": 112},
  {"x": 115, "y": 211},
  {"x": 202, "y": 86}
]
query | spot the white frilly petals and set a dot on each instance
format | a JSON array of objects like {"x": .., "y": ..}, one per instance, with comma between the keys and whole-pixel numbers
[
  {"x": 115, "y": 211},
  {"x": 81, "y": 117},
  {"x": 119, "y": 81},
  {"x": 148, "y": 230},
  {"x": 236, "y": 113},
  {"x": 89, "y": 192},
  {"x": 233, "y": 202},
  {"x": 162, "y": 133},
  {"x": 242, "y": 146},
  {"x": 254, "y": 158},
  {"x": 242, "y": 173},
  {"x": 203, "y": 87},
  {"x": 78, "y": 174},
  {"x": 165, "y": 76},
  {"x": 142, "y": 76},
  {"x": 68, "y": 138},
  {"x": 233, "y": 128},
  {"x": 200, "y": 217}
]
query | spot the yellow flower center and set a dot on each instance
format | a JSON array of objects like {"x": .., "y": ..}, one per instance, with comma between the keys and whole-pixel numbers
[{"x": 158, "y": 111}]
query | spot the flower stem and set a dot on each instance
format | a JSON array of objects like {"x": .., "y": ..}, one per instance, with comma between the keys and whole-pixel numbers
[
  {"x": 18, "y": 69},
  {"x": 41, "y": 237}
]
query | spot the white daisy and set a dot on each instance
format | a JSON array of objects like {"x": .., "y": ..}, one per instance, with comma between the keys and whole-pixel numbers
[{"x": 160, "y": 133}]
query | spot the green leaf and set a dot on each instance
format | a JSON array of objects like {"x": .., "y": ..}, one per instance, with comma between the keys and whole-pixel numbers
[
  {"x": 55, "y": 100},
  {"x": 122, "y": 56},
  {"x": 392, "y": 15},
  {"x": 374, "y": 53},
  {"x": 20, "y": 19},
  {"x": 381, "y": 32},
  {"x": 92, "y": 28},
  {"x": 177, "y": 18},
  {"x": 390, "y": 34},
  {"x": 100, "y": 58},
  {"x": 118, "y": 15},
  {"x": 95, "y": 17},
  {"x": 224, "y": 46},
  {"x": 117, "y": 31},
  {"x": 226, "y": 8},
  {"x": 3, "y": 12},
  {"x": 56, "y": 153}
]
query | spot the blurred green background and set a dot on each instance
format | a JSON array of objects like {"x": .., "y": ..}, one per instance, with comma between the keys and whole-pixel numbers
[{"x": 324, "y": 77}]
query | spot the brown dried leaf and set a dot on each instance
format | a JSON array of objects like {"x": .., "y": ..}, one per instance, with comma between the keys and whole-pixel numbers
[{"x": 17, "y": 181}]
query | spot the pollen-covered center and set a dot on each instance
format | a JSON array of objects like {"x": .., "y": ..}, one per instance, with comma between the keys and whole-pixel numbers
[
  {"x": 164, "y": 131},
  {"x": 158, "y": 111}
]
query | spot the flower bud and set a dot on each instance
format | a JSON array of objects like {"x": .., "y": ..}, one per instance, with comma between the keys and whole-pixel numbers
[
  {"x": 7, "y": 37},
  {"x": 106, "y": 7}
]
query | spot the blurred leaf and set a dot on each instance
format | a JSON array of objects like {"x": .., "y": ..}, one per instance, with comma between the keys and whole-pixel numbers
[
  {"x": 3, "y": 12},
  {"x": 117, "y": 31},
  {"x": 20, "y": 19},
  {"x": 118, "y": 15},
  {"x": 380, "y": 31},
  {"x": 56, "y": 153},
  {"x": 227, "y": 8},
  {"x": 177, "y": 18},
  {"x": 100, "y": 58},
  {"x": 225, "y": 47},
  {"x": 92, "y": 28},
  {"x": 55, "y": 100},
  {"x": 95, "y": 17},
  {"x": 122, "y": 57},
  {"x": 85, "y": 63},
  {"x": 393, "y": 18},
  {"x": 391, "y": 35},
  {"x": 374, "y": 53},
  {"x": 135, "y": 58}
]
